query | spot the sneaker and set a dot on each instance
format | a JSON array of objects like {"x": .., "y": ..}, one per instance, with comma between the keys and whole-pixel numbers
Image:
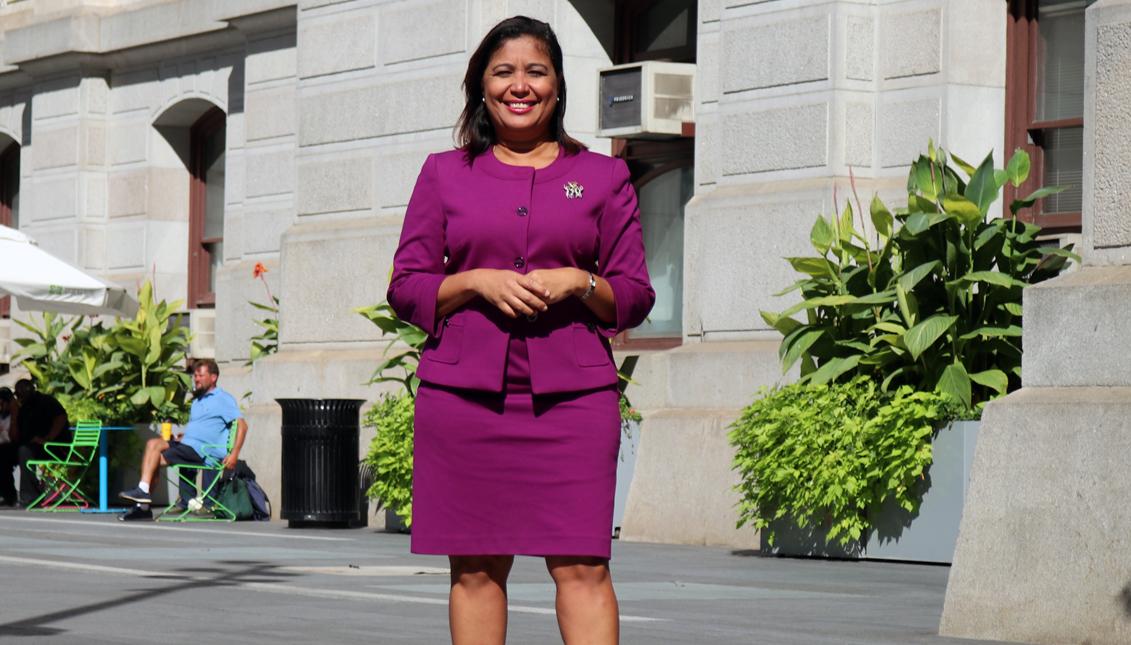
[
  {"x": 136, "y": 495},
  {"x": 180, "y": 507},
  {"x": 136, "y": 514}
]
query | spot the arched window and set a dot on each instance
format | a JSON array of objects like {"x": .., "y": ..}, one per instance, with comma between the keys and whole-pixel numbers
[
  {"x": 206, "y": 207},
  {"x": 9, "y": 200}
]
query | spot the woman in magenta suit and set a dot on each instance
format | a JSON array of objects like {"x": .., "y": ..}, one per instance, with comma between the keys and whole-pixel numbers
[{"x": 520, "y": 256}]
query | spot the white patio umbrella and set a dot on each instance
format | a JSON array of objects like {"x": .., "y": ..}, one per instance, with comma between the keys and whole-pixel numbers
[{"x": 43, "y": 282}]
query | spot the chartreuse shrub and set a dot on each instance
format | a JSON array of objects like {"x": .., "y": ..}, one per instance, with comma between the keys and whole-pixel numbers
[
  {"x": 934, "y": 300},
  {"x": 390, "y": 453},
  {"x": 823, "y": 454}
]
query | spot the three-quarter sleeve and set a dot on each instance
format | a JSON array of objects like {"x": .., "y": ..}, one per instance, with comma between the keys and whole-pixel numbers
[
  {"x": 418, "y": 265},
  {"x": 621, "y": 254}
]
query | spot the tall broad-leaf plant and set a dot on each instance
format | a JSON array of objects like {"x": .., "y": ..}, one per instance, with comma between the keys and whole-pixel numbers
[{"x": 933, "y": 300}]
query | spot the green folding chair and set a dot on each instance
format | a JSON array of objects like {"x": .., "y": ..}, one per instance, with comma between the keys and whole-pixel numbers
[
  {"x": 216, "y": 512},
  {"x": 63, "y": 470}
]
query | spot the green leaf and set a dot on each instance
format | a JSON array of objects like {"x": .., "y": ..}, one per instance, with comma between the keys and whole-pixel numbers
[
  {"x": 881, "y": 217},
  {"x": 955, "y": 382},
  {"x": 783, "y": 324},
  {"x": 1018, "y": 167},
  {"x": 833, "y": 368},
  {"x": 822, "y": 301},
  {"x": 909, "y": 279},
  {"x": 992, "y": 277},
  {"x": 908, "y": 305},
  {"x": 845, "y": 227},
  {"x": 966, "y": 168},
  {"x": 996, "y": 380},
  {"x": 982, "y": 189},
  {"x": 799, "y": 345},
  {"x": 816, "y": 267},
  {"x": 965, "y": 210},
  {"x": 1041, "y": 193},
  {"x": 993, "y": 332},
  {"x": 923, "y": 335},
  {"x": 821, "y": 235}
]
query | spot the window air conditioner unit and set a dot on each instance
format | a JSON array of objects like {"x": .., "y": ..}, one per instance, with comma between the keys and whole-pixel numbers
[
  {"x": 646, "y": 100},
  {"x": 202, "y": 326}
]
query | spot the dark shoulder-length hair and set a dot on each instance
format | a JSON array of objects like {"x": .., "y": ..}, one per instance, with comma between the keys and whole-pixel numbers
[{"x": 475, "y": 133}]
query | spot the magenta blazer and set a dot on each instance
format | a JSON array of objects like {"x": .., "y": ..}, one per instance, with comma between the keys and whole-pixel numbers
[{"x": 579, "y": 211}]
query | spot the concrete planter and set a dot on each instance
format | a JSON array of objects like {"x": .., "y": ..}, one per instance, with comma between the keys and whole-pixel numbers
[
  {"x": 626, "y": 467},
  {"x": 928, "y": 536}
]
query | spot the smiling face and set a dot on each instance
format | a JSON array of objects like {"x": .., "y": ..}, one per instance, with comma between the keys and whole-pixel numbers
[{"x": 520, "y": 89}]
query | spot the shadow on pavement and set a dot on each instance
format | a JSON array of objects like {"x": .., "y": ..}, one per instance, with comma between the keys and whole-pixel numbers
[{"x": 182, "y": 579}]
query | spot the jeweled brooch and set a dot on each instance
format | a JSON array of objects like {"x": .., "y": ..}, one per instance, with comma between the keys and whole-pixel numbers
[{"x": 573, "y": 190}]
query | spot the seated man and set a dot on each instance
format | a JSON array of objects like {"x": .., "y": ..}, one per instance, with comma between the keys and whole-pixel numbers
[{"x": 210, "y": 420}]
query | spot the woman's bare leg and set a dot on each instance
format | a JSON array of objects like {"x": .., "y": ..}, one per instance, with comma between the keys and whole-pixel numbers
[
  {"x": 477, "y": 606},
  {"x": 587, "y": 605}
]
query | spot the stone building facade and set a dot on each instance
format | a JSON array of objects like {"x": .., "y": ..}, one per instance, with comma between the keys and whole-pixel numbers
[{"x": 330, "y": 106}]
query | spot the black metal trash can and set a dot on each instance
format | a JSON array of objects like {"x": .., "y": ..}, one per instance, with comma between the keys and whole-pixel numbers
[{"x": 319, "y": 473}]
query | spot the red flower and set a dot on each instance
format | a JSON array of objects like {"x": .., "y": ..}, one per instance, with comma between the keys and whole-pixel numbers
[{"x": 258, "y": 270}]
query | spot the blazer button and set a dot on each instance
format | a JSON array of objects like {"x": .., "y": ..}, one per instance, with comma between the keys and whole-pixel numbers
[
  {"x": 519, "y": 262},
  {"x": 521, "y": 211}
]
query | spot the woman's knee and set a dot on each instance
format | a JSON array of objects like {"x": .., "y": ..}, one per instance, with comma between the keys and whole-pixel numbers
[
  {"x": 569, "y": 570},
  {"x": 480, "y": 570}
]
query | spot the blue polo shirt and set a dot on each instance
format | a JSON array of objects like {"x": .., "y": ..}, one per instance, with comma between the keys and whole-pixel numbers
[{"x": 210, "y": 418}]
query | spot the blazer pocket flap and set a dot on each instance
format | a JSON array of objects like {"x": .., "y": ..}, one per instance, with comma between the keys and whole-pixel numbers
[{"x": 449, "y": 346}]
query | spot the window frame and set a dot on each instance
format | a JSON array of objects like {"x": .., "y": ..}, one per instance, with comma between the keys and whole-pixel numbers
[
  {"x": 1022, "y": 129},
  {"x": 646, "y": 161},
  {"x": 200, "y": 258}
]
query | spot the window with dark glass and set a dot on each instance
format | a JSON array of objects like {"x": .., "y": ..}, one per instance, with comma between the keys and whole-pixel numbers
[
  {"x": 1045, "y": 104},
  {"x": 206, "y": 207},
  {"x": 9, "y": 201},
  {"x": 662, "y": 170}
]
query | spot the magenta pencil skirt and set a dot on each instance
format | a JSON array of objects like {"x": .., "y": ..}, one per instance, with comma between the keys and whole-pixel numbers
[{"x": 514, "y": 473}]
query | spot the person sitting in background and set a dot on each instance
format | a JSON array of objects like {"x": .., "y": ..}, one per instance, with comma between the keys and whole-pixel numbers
[
  {"x": 41, "y": 419},
  {"x": 8, "y": 437},
  {"x": 206, "y": 435}
]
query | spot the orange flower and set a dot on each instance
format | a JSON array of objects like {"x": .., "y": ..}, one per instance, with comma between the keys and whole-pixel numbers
[{"x": 258, "y": 270}]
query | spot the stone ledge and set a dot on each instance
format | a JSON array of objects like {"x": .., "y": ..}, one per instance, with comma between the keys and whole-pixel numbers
[
  {"x": 1042, "y": 551},
  {"x": 682, "y": 488},
  {"x": 1075, "y": 329}
]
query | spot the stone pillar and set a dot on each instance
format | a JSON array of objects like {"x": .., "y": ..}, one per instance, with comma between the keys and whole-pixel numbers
[
  {"x": 790, "y": 96},
  {"x": 1042, "y": 554}
]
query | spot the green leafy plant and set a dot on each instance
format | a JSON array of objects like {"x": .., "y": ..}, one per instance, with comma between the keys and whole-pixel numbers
[
  {"x": 403, "y": 358},
  {"x": 936, "y": 303},
  {"x": 267, "y": 341},
  {"x": 823, "y": 455},
  {"x": 390, "y": 453},
  {"x": 43, "y": 354},
  {"x": 133, "y": 370}
]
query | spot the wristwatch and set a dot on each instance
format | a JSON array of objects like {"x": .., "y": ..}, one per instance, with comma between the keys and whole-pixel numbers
[{"x": 591, "y": 288}]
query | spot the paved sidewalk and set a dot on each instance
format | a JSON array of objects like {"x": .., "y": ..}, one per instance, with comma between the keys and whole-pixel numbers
[{"x": 90, "y": 579}]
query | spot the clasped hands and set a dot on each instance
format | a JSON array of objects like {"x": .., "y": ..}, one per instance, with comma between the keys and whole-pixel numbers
[{"x": 525, "y": 294}]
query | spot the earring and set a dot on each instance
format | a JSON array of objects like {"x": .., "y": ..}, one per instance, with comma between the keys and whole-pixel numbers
[{"x": 482, "y": 99}]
